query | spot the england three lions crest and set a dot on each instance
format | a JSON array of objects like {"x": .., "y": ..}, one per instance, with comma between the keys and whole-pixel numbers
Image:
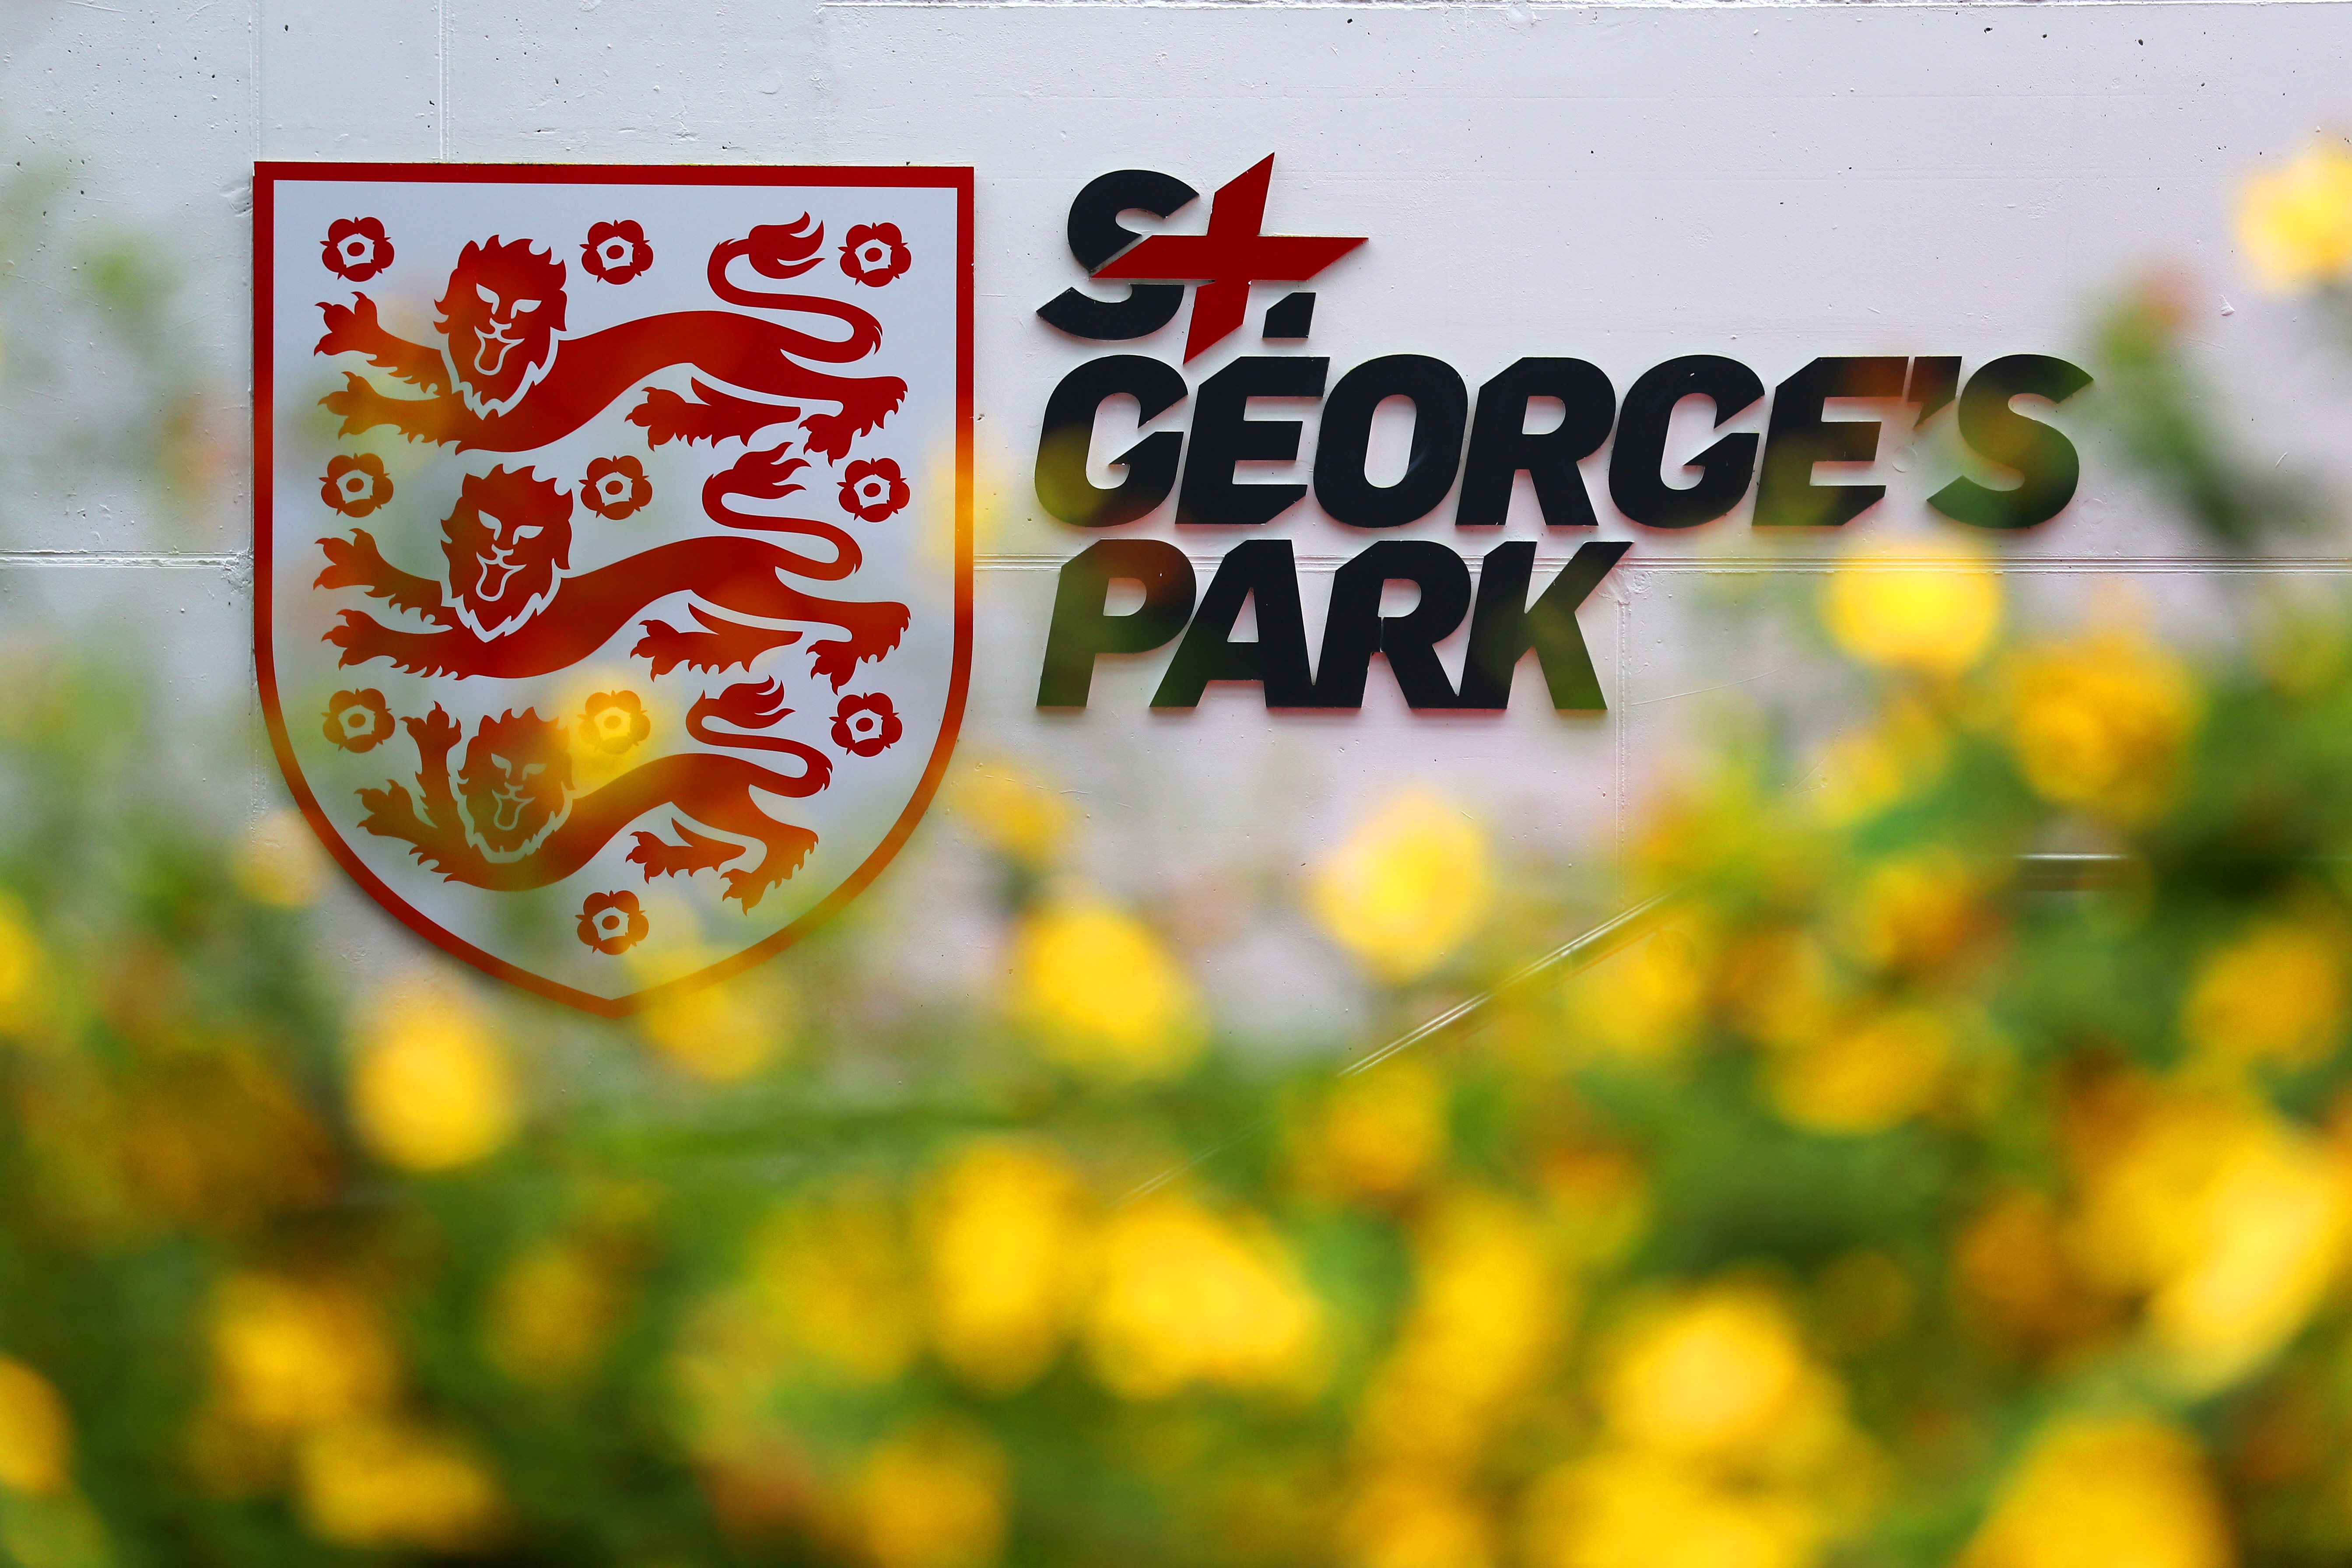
[{"x": 613, "y": 546}]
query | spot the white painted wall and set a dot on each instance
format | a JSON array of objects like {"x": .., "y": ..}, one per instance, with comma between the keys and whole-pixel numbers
[{"x": 1617, "y": 183}]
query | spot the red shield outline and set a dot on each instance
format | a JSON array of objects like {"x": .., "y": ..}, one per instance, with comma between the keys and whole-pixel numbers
[{"x": 265, "y": 178}]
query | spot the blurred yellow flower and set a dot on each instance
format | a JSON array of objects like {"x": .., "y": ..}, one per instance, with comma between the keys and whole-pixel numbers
[
  {"x": 290, "y": 1353},
  {"x": 21, "y": 960},
  {"x": 2232, "y": 1221},
  {"x": 431, "y": 1089},
  {"x": 280, "y": 862},
  {"x": 1103, "y": 995},
  {"x": 2295, "y": 222},
  {"x": 1407, "y": 888},
  {"x": 1864, "y": 1075},
  {"x": 1781, "y": 986},
  {"x": 2276, "y": 994},
  {"x": 1007, "y": 1249},
  {"x": 36, "y": 1433},
  {"x": 1647, "y": 1511},
  {"x": 1937, "y": 616},
  {"x": 723, "y": 1033},
  {"x": 1717, "y": 1374},
  {"x": 2096, "y": 1492},
  {"x": 1019, "y": 816},
  {"x": 387, "y": 1484},
  {"x": 1489, "y": 1310},
  {"x": 835, "y": 1272},
  {"x": 1377, "y": 1134},
  {"x": 1187, "y": 1295},
  {"x": 1597, "y": 1201},
  {"x": 550, "y": 1313},
  {"x": 933, "y": 1499},
  {"x": 2099, "y": 722},
  {"x": 1913, "y": 912},
  {"x": 1643, "y": 1004},
  {"x": 1405, "y": 1518},
  {"x": 1865, "y": 770}
]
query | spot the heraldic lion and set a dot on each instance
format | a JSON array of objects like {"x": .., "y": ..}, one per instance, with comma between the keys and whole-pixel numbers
[
  {"x": 507, "y": 380},
  {"x": 510, "y": 610},
  {"x": 511, "y": 823}
]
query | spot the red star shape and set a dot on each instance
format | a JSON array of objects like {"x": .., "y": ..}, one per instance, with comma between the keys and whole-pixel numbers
[{"x": 1228, "y": 258}]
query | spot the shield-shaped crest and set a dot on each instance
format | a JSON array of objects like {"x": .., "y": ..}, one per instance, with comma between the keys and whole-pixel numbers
[{"x": 613, "y": 546}]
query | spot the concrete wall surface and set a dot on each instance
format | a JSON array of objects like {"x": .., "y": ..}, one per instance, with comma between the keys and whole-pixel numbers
[{"x": 1622, "y": 183}]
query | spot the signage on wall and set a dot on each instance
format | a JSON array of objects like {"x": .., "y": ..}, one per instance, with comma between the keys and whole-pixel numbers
[
  {"x": 613, "y": 530},
  {"x": 613, "y": 546},
  {"x": 1188, "y": 473}
]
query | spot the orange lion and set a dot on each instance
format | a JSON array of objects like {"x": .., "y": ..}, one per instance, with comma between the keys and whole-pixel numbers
[
  {"x": 507, "y": 380},
  {"x": 510, "y": 612},
  {"x": 512, "y": 823}
]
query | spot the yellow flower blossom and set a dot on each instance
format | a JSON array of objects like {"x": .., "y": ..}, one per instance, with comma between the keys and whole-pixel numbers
[
  {"x": 1718, "y": 1373},
  {"x": 1187, "y": 1295},
  {"x": 2231, "y": 1222},
  {"x": 1408, "y": 888},
  {"x": 723, "y": 1033},
  {"x": 550, "y": 1313},
  {"x": 1489, "y": 1310},
  {"x": 1936, "y": 617},
  {"x": 933, "y": 1499},
  {"x": 280, "y": 862},
  {"x": 36, "y": 1433},
  {"x": 431, "y": 1089},
  {"x": 1377, "y": 1134},
  {"x": 1643, "y": 1004},
  {"x": 1015, "y": 813},
  {"x": 1598, "y": 1201},
  {"x": 1103, "y": 995},
  {"x": 1913, "y": 912},
  {"x": 1865, "y": 770},
  {"x": 387, "y": 1484},
  {"x": 2095, "y": 1491},
  {"x": 2295, "y": 222},
  {"x": 21, "y": 959},
  {"x": 1632, "y": 1509},
  {"x": 2276, "y": 994},
  {"x": 2099, "y": 724},
  {"x": 1007, "y": 1247},
  {"x": 1405, "y": 1518},
  {"x": 1863, "y": 1075},
  {"x": 836, "y": 1274},
  {"x": 292, "y": 1354},
  {"x": 1782, "y": 987}
]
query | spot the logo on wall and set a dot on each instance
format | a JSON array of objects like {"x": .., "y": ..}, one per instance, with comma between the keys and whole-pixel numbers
[
  {"x": 613, "y": 542},
  {"x": 1188, "y": 447}
]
